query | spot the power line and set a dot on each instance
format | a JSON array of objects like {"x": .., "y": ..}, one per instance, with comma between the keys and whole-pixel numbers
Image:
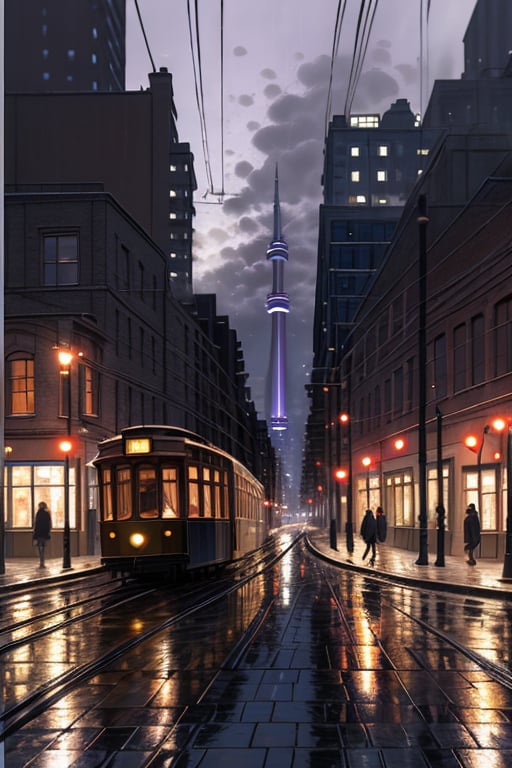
[
  {"x": 144, "y": 35},
  {"x": 361, "y": 41},
  {"x": 340, "y": 13}
]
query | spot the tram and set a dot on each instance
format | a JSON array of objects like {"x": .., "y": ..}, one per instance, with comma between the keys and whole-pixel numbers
[{"x": 172, "y": 502}]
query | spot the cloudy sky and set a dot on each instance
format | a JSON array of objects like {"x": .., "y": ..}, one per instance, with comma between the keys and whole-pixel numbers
[{"x": 269, "y": 107}]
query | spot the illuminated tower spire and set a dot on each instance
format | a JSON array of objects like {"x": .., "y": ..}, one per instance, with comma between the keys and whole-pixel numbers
[{"x": 278, "y": 306}]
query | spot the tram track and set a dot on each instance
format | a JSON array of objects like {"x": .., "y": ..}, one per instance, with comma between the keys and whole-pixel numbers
[{"x": 183, "y": 605}]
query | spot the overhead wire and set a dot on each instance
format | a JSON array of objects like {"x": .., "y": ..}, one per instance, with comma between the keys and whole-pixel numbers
[
  {"x": 198, "y": 85},
  {"x": 144, "y": 34},
  {"x": 361, "y": 42},
  {"x": 340, "y": 13}
]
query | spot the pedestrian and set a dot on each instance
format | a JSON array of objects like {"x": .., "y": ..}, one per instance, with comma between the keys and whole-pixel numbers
[
  {"x": 382, "y": 526},
  {"x": 369, "y": 534},
  {"x": 42, "y": 528},
  {"x": 471, "y": 533}
]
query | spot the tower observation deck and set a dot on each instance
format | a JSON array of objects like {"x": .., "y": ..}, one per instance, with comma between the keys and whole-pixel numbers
[{"x": 278, "y": 306}]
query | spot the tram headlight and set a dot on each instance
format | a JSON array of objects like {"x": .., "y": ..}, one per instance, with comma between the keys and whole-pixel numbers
[
  {"x": 137, "y": 540},
  {"x": 167, "y": 533},
  {"x": 112, "y": 535}
]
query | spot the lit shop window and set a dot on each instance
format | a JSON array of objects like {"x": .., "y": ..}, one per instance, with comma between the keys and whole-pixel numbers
[{"x": 28, "y": 484}]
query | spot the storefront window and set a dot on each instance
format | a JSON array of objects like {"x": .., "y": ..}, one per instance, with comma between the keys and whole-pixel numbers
[
  {"x": 28, "y": 484},
  {"x": 432, "y": 495},
  {"x": 400, "y": 498},
  {"x": 480, "y": 488}
]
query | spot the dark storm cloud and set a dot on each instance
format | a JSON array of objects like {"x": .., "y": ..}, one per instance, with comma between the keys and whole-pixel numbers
[
  {"x": 268, "y": 74},
  {"x": 272, "y": 90},
  {"x": 292, "y": 135},
  {"x": 252, "y": 125},
  {"x": 245, "y": 100},
  {"x": 243, "y": 169}
]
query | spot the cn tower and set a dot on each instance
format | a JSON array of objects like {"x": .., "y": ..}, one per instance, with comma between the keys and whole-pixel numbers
[{"x": 278, "y": 306}]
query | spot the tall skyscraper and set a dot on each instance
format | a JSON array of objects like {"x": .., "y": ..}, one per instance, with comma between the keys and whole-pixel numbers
[
  {"x": 278, "y": 306},
  {"x": 54, "y": 46}
]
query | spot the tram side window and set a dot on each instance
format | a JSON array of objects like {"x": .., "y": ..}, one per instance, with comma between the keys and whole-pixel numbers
[
  {"x": 207, "y": 493},
  {"x": 146, "y": 489},
  {"x": 193, "y": 492},
  {"x": 108, "y": 512},
  {"x": 219, "y": 511},
  {"x": 170, "y": 492},
  {"x": 123, "y": 494}
]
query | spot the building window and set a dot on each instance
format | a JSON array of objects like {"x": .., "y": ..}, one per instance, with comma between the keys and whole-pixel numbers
[
  {"x": 433, "y": 495},
  {"x": 400, "y": 498},
  {"x": 28, "y": 484},
  {"x": 89, "y": 389},
  {"x": 503, "y": 336},
  {"x": 398, "y": 389},
  {"x": 355, "y": 176},
  {"x": 20, "y": 385},
  {"x": 459, "y": 357},
  {"x": 382, "y": 175},
  {"x": 480, "y": 488},
  {"x": 60, "y": 258},
  {"x": 477, "y": 349},
  {"x": 354, "y": 152},
  {"x": 383, "y": 150},
  {"x": 439, "y": 382}
]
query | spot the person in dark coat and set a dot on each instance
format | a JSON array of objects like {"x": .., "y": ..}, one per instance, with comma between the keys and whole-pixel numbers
[
  {"x": 369, "y": 534},
  {"x": 471, "y": 533},
  {"x": 382, "y": 526},
  {"x": 42, "y": 529}
]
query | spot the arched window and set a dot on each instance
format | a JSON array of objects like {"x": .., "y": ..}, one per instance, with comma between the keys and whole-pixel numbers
[{"x": 20, "y": 384}]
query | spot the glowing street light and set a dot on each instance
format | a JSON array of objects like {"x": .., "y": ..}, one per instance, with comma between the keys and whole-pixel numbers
[{"x": 65, "y": 357}]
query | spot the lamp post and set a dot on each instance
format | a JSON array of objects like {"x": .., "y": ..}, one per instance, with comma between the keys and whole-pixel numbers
[
  {"x": 422, "y": 394},
  {"x": 499, "y": 425},
  {"x": 349, "y": 530},
  {"x": 366, "y": 462},
  {"x": 65, "y": 359}
]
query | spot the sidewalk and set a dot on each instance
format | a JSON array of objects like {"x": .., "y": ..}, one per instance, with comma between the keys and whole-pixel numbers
[
  {"x": 26, "y": 570},
  {"x": 484, "y": 579}
]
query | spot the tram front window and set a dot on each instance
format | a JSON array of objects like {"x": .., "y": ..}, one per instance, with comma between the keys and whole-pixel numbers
[
  {"x": 147, "y": 495},
  {"x": 170, "y": 492},
  {"x": 123, "y": 494}
]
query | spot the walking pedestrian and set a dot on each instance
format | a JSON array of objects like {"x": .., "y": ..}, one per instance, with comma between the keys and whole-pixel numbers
[
  {"x": 471, "y": 533},
  {"x": 382, "y": 526},
  {"x": 369, "y": 534},
  {"x": 42, "y": 529}
]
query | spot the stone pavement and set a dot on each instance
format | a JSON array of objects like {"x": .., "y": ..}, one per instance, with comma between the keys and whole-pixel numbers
[
  {"x": 486, "y": 578},
  {"x": 26, "y": 570},
  {"x": 392, "y": 562}
]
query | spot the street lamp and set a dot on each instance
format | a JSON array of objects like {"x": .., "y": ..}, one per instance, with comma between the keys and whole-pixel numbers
[
  {"x": 499, "y": 425},
  {"x": 65, "y": 446},
  {"x": 367, "y": 462},
  {"x": 349, "y": 530}
]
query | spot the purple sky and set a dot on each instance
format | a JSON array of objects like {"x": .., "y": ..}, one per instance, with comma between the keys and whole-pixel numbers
[{"x": 276, "y": 76}]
